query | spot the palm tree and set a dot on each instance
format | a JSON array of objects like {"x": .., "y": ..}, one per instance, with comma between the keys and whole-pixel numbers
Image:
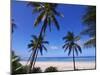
[
  {"x": 70, "y": 43},
  {"x": 16, "y": 65},
  {"x": 89, "y": 19},
  {"x": 13, "y": 25},
  {"x": 36, "y": 44},
  {"x": 47, "y": 15}
]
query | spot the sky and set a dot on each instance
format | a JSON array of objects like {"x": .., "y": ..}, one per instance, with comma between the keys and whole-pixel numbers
[{"x": 24, "y": 20}]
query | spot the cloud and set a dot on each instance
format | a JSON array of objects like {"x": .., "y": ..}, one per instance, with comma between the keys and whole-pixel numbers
[
  {"x": 54, "y": 47},
  {"x": 81, "y": 43}
]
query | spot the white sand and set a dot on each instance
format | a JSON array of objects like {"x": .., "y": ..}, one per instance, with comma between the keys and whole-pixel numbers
[{"x": 64, "y": 65}]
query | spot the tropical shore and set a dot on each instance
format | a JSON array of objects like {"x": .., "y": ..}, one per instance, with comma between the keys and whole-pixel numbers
[{"x": 61, "y": 66}]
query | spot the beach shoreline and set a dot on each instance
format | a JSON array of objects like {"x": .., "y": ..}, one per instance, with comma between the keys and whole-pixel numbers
[{"x": 61, "y": 66}]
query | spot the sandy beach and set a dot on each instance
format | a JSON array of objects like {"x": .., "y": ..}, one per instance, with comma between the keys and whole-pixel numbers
[{"x": 64, "y": 65}]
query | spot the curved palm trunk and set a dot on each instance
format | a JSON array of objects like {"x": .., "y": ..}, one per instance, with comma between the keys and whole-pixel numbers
[
  {"x": 41, "y": 32},
  {"x": 28, "y": 61},
  {"x": 34, "y": 56},
  {"x": 35, "y": 60},
  {"x": 31, "y": 62},
  {"x": 74, "y": 60}
]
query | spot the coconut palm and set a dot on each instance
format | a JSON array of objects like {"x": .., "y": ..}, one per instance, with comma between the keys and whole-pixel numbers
[
  {"x": 71, "y": 45},
  {"x": 13, "y": 25},
  {"x": 47, "y": 13},
  {"x": 16, "y": 65},
  {"x": 89, "y": 20},
  {"x": 36, "y": 44}
]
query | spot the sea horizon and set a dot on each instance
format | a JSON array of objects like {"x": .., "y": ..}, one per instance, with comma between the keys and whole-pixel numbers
[{"x": 64, "y": 59}]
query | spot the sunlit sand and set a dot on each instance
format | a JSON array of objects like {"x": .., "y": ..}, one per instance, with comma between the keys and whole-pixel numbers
[{"x": 65, "y": 65}]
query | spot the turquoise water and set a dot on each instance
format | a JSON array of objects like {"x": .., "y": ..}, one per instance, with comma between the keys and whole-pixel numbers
[{"x": 60, "y": 59}]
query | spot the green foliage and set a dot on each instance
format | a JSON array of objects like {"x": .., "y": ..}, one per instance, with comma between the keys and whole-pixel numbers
[
  {"x": 51, "y": 69},
  {"x": 36, "y": 70},
  {"x": 16, "y": 66},
  {"x": 37, "y": 44},
  {"x": 47, "y": 14},
  {"x": 90, "y": 42},
  {"x": 70, "y": 43},
  {"x": 13, "y": 25},
  {"x": 89, "y": 20}
]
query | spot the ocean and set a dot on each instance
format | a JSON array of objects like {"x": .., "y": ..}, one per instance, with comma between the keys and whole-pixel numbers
[{"x": 63, "y": 59}]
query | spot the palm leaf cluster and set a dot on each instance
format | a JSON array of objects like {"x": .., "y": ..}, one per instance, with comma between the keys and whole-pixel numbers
[
  {"x": 70, "y": 43},
  {"x": 16, "y": 66},
  {"x": 89, "y": 19},
  {"x": 47, "y": 13},
  {"x": 36, "y": 44}
]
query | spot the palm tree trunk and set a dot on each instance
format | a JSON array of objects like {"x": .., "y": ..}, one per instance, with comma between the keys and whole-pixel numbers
[
  {"x": 41, "y": 32},
  {"x": 74, "y": 60},
  {"x": 34, "y": 56},
  {"x": 35, "y": 60},
  {"x": 28, "y": 61},
  {"x": 31, "y": 62}
]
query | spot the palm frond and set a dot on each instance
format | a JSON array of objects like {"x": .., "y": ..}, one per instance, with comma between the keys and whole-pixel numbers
[
  {"x": 90, "y": 43},
  {"x": 44, "y": 48},
  {"x": 70, "y": 49},
  {"x": 49, "y": 23},
  {"x": 41, "y": 50},
  {"x": 15, "y": 59},
  {"x": 69, "y": 52},
  {"x": 66, "y": 48},
  {"x": 76, "y": 51},
  {"x": 45, "y": 24},
  {"x": 36, "y": 7},
  {"x": 45, "y": 42},
  {"x": 13, "y": 25},
  {"x": 33, "y": 4},
  {"x": 78, "y": 48},
  {"x": 77, "y": 38},
  {"x": 90, "y": 15},
  {"x": 34, "y": 37},
  {"x": 55, "y": 22},
  {"x": 90, "y": 22},
  {"x": 30, "y": 45},
  {"x": 39, "y": 18},
  {"x": 65, "y": 38},
  {"x": 57, "y": 13}
]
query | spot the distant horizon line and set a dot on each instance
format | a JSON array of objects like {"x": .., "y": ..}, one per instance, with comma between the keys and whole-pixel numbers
[{"x": 64, "y": 56}]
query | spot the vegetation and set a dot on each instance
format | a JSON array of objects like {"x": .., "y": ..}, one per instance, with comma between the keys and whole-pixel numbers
[
  {"x": 36, "y": 70},
  {"x": 13, "y": 25},
  {"x": 47, "y": 13},
  {"x": 89, "y": 19},
  {"x": 36, "y": 44},
  {"x": 70, "y": 43},
  {"x": 51, "y": 69},
  {"x": 16, "y": 66}
]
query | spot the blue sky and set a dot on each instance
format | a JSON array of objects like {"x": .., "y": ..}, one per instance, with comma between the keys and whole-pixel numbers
[{"x": 24, "y": 19}]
